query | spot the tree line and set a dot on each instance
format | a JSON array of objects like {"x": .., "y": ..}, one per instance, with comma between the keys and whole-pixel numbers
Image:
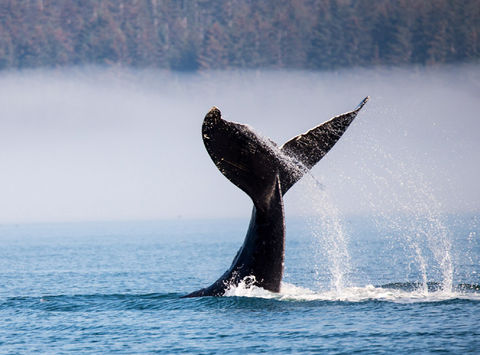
[{"x": 194, "y": 35}]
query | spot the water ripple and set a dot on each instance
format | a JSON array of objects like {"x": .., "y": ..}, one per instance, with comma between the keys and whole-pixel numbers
[{"x": 241, "y": 298}]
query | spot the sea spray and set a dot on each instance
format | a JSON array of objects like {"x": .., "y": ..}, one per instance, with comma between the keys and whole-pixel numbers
[
  {"x": 331, "y": 240},
  {"x": 415, "y": 218},
  {"x": 417, "y": 221}
]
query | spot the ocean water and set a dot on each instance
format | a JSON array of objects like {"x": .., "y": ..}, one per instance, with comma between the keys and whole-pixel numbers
[{"x": 352, "y": 285}]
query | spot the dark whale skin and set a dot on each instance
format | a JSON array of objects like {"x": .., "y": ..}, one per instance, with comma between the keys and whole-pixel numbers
[{"x": 265, "y": 172}]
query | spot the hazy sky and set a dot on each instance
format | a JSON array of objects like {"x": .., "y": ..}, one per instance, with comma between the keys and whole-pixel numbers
[{"x": 93, "y": 144}]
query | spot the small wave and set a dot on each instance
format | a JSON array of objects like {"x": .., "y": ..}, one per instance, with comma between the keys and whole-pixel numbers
[
  {"x": 93, "y": 302},
  {"x": 394, "y": 292}
]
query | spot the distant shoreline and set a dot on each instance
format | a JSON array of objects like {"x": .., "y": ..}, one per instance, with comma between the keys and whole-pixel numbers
[{"x": 223, "y": 35}]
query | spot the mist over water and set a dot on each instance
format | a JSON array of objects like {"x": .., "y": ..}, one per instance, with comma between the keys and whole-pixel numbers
[{"x": 97, "y": 144}]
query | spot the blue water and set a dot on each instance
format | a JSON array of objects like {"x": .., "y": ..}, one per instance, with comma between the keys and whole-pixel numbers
[{"x": 116, "y": 287}]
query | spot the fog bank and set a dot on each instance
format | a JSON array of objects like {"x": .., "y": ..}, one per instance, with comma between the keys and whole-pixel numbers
[{"x": 116, "y": 144}]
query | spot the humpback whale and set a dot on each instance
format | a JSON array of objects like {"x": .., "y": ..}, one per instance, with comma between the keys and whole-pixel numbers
[{"x": 265, "y": 172}]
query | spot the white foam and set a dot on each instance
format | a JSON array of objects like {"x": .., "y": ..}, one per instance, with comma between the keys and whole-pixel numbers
[{"x": 291, "y": 292}]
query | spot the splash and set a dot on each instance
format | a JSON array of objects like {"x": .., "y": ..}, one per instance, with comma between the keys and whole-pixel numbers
[
  {"x": 396, "y": 293},
  {"x": 330, "y": 237},
  {"x": 417, "y": 222}
]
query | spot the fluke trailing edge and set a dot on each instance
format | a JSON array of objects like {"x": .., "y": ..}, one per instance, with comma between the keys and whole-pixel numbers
[{"x": 265, "y": 172}]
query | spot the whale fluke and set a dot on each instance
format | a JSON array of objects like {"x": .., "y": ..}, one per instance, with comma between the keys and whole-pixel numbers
[{"x": 265, "y": 172}]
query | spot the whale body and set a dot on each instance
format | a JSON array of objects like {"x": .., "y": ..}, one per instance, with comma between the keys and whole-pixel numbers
[{"x": 265, "y": 172}]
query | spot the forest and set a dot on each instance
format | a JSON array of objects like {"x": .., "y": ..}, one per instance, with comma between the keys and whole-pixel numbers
[{"x": 192, "y": 35}]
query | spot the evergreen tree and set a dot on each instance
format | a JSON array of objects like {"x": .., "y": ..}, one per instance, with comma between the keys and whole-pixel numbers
[{"x": 225, "y": 34}]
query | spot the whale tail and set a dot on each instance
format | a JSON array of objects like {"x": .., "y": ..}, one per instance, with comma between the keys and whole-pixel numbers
[
  {"x": 265, "y": 172},
  {"x": 253, "y": 162}
]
